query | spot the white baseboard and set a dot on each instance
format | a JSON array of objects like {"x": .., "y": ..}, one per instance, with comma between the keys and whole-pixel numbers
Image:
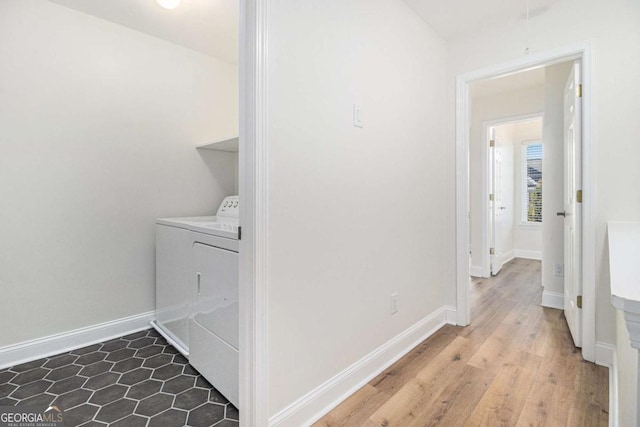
[
  {"x": 526, "y": 254},
  {"x": 318, "y": 402},
  {"x": 606, "y": 356},
  {"x": 506, "y": 257},
  {"x": 552, "y": 300},
  {"x": 451, "y": 315},
  {"x": 475, "y": 270},
  {"x": 59, "y": 343}
]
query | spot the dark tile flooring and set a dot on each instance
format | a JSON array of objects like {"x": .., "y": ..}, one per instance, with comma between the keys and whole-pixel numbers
[{"x": 135, "y": 380}]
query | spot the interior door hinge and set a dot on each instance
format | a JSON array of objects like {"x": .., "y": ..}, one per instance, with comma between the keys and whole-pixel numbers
[
  {"x": 579, "y": 301},
  {"x": 492, "y": 251},
  {"x": 579, "y": 91},
  {"x": 492, "y": 143},
  {"x": 239, "y": 233},
  {"x": 491, "y": 197},
  {"x": 579, "y": 196}
]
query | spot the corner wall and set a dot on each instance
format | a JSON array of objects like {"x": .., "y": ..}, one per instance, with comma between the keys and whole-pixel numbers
[
  {"x": 354, "y": 214},
  {"x": 99, "y": 124}
]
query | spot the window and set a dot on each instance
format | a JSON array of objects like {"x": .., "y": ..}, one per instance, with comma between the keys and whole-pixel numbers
[{"x": 531, "y": 186}]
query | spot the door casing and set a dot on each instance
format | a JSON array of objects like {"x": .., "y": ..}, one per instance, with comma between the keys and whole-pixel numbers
[
  {"x": 253, "y": 163},
  {"x": 580, "y": 51}
]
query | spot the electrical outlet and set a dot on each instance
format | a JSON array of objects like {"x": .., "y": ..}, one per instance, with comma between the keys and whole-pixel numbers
[
  {"x": 394, "y": 303},
  {"x": 558, "y": 270}
]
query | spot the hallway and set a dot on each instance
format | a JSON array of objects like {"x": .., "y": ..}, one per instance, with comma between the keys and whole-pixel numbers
[{"x": 514, "y": 365}]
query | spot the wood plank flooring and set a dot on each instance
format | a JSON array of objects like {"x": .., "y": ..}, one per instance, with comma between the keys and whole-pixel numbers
[{"x": 515, "y": 365}]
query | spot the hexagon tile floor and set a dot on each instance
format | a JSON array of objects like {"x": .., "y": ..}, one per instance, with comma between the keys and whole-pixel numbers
[{"x": 135, "y": 380}]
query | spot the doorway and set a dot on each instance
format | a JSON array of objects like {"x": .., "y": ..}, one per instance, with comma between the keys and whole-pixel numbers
[
  {"x": 585, "y": 249},
  {"x": 506, "y": 218}
]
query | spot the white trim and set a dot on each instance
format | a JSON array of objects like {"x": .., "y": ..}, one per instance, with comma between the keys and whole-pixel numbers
[
  {"x": 319, "y": 401},
  {"x": 450, "y": 314},
  {"x": 614, "y": 400},
  {"x": 485, "y": 218},
  {"x": 537, "y": 60},
  {"x": 588, "y": 214},
  {"x": 530, "y": 225},
  {"x": 463, "y": 309},
  {"x": 507, "y": 257},
  {"x": 606, "y": 356},
  {"x": 38, "y": 348},
  {"x": 522, "y": 185},
  {"x": 476, "y": 271},
  {"x": 552, "y": 300},
  {"x": 253, "y": 190},
  {"x": 527, "y": 254}
]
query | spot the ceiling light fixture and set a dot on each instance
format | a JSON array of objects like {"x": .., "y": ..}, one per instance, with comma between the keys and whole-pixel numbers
[{"x": 169, "y": 4}]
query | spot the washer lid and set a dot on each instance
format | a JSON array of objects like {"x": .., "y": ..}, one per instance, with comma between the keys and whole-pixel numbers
[
  {"x": 223, "y": 227},
  {"x": 185, "y": 222}
]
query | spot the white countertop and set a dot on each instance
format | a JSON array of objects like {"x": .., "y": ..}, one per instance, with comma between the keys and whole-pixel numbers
[{"x": 624, "y": 262}]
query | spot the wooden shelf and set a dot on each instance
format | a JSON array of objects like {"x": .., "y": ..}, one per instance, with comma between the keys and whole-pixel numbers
[{"x": 230, "y": 145}]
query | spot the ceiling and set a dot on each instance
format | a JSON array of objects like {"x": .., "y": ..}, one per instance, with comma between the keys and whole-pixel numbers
[
  {"x": 211, "y": 26},
  {"x": 207, "y": 26},
  {"x": 508, "y": 83},
  {"x": 454, "y": 19}
]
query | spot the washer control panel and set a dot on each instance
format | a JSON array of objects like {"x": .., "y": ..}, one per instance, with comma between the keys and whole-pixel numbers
[{"x": 229, "y": 208}]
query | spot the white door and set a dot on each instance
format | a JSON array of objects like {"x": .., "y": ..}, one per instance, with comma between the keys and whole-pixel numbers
[
  {"x": 501, "y": 155},
  {"x": 494, "y": 221},
  {"x": 572, "y": 210}
]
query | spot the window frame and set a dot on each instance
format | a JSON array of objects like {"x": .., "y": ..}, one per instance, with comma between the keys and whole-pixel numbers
[{"x": 524, "y": 222}]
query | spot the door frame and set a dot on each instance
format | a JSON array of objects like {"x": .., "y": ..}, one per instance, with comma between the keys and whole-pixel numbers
[
  {"x": 253, "y": 190},
  {"x": 580, "y": 51},
  {"x": 485, "y": 218}
]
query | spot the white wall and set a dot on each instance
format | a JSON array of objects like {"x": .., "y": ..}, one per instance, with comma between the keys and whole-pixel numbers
[
  {"x": 613, "y": 28},
  {"x": 527, "y": 239},
  {"x": 99, "y": 125},
  {"x": 354, "y": 214},
  {"x": 553, "y": 179},
  {"x": 524, "y": 101}
]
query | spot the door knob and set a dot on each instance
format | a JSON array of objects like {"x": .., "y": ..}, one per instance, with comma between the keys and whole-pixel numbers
[
  {"x": 563, "y": 213},
  {"x": 502, "y": 208}
]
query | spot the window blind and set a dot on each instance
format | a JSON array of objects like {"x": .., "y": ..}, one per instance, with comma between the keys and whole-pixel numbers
[{"x": 532, "y": 182}]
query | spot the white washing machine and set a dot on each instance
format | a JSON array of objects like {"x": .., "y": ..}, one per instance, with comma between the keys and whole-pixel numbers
[{"x": 197, "y": 292}]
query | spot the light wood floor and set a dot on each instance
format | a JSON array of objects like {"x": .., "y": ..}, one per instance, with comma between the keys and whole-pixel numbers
[{"x": 515, "y": 365}]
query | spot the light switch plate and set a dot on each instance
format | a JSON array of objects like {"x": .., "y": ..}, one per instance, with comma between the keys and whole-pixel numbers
[{"x": 357, "y": 116}]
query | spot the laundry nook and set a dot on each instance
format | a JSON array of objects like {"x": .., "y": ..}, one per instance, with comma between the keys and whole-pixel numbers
[{"x": 197, "y": 292}]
